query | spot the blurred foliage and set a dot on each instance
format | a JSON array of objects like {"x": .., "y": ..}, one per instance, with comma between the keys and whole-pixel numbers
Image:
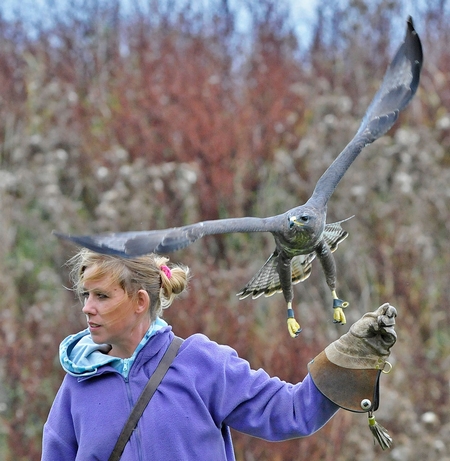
[{"x": 163, "y": 114}]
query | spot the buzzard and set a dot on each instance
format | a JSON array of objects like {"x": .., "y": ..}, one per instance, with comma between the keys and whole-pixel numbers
[{"x": 301, "y": 233}]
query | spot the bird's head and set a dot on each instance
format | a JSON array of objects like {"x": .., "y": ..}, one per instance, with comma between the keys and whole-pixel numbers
[
  {"x": 299, "y": 220},
  {"x": 301, "y": 231},
  {"x": 306, "y": 221}
]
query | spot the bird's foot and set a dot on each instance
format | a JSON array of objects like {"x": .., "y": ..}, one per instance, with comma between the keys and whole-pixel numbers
[
  {"x": 339, "y": 316},
  {"x": 293, "y": 327},
  {"x": 292, "y": 324},
  {"x": 338, "y": 306}
]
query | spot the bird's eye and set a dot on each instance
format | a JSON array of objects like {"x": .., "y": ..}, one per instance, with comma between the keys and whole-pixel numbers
[{"x": 298, "y": 221}]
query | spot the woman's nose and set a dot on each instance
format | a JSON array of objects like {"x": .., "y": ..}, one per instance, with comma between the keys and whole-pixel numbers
[{"x": 88, "y": 307}]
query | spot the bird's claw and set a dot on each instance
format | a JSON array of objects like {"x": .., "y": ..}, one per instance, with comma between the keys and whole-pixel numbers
[
  {"x": 338, "y": 306},
  {"x": 339, "y": 316},
  {"x": 293, "y": 327}
]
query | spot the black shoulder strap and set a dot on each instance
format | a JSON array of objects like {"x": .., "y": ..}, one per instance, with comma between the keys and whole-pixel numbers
[{"x": 145, "y": 397}]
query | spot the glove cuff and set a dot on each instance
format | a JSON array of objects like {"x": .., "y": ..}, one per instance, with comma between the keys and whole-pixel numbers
[
  {"x": 350, "y": 388},
  {"x": 345, "y": 353}
]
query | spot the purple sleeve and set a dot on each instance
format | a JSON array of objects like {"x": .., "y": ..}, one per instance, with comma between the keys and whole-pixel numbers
[
  {"x": 59, "y": 441},
  {"x": 252, "y": 402},
  {"x": 280, "y": 411}
]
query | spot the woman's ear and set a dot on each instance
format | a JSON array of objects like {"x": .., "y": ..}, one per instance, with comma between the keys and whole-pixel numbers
[{"x": 143, "y": 302}]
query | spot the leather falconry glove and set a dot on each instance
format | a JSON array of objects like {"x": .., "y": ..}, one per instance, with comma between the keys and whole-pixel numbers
[{"x": 348, "y": 371}]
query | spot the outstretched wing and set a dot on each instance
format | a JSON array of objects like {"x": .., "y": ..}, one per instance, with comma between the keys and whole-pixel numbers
[
  {"x": 131, "y": 244},
  {"x": 397, "y": 89},
  {"x": 267, "y": 280}
]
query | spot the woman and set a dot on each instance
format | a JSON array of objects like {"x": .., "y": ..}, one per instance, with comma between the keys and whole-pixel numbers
[{"x": 207, "y": 389}]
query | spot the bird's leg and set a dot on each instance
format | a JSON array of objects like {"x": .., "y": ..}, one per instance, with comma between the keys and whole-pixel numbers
[
  {"x": 293, "y": 325},
  {"x": 285, "y": 273},
  {"x": 338, "y": 305},
  {"x": 325, "y": 257}
]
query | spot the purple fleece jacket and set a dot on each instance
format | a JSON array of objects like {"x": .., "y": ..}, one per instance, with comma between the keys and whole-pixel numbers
[{"x": 207, "y": 389}]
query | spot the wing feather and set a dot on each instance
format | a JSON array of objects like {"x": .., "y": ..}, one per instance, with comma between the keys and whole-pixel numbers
[
  {"x": 131, "y": 244},
  {"x": 399, "y": 85}
]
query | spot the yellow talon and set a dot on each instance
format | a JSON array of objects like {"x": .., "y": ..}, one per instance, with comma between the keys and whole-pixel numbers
[
  {"x": 339, "y": 316},
  {"x": 338, "y": 305},
  {"x": 293, "y": 327}
]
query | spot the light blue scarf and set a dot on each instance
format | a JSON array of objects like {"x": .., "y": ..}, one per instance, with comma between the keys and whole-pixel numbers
[{"x": 81, "y": 357}]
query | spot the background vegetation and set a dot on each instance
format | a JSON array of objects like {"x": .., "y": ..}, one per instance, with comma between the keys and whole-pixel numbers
[{"x": 158, "y": 115}]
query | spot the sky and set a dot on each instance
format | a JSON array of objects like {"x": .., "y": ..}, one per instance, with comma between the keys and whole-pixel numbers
[{"x": 303, "y": 11}]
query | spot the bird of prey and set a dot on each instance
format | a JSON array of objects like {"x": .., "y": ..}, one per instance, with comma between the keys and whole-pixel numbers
[{"x": 300, "y": 234}]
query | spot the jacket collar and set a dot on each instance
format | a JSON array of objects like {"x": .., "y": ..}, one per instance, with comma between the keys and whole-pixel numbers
[{"x": 82, "y": 358}]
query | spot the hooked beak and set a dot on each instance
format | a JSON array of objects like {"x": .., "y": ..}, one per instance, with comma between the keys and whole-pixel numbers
[{"x": 293, "y": 221}]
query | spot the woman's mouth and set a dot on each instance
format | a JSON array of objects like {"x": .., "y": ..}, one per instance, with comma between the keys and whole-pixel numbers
[{"x": 93, "y": 326}]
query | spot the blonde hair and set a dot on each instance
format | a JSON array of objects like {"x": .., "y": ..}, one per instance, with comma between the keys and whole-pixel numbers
[{"x": 147, "y": 273}]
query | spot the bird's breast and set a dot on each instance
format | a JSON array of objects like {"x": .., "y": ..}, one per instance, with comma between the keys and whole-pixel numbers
[{"x": 298, "y": 243}]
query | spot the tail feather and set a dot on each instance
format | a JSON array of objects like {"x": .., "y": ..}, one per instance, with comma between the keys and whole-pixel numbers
[
  {"x": 334, "y": 234},
  {"x": 267, "y": 281}
]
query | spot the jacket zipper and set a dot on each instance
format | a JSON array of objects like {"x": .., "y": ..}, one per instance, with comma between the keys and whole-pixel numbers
[{"x": 136, "y": 432}]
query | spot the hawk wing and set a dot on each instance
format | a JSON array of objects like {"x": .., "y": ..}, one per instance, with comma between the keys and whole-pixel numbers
[
  {"x": 267, "y": 280},
  {"x": 131, "y": 244},
  {"x": 399, "y": 85}
]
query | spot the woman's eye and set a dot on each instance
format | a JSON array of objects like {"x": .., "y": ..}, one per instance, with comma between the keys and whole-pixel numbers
[{"x": 85, "y": 295}]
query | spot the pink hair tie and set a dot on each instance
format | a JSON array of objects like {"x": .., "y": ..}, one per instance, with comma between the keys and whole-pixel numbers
[{"x": 166, "y": 271}]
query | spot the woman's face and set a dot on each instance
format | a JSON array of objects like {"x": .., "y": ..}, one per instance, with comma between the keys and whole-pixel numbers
[{"x": 112, "y": 316}]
